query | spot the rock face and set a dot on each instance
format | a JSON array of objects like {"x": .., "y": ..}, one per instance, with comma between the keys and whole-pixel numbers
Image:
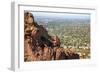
[{"x": 38, "y": 44}]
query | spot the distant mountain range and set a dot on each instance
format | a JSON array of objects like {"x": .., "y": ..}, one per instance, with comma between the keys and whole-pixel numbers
[{"x": 62, "y": 21}]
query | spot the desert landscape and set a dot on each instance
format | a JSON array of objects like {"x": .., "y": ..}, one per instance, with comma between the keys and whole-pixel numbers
[{"x": 51, "y": 36}]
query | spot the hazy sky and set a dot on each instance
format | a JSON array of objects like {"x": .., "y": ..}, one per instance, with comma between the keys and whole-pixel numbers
[{"x": 60, "y": 15}]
